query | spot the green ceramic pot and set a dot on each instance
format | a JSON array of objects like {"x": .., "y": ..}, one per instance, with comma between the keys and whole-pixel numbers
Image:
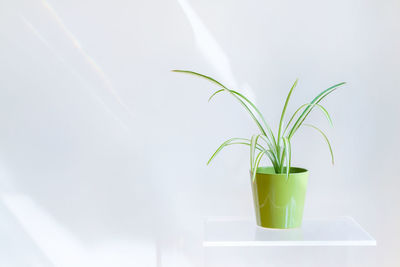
[{"x": 279, "y": 201}]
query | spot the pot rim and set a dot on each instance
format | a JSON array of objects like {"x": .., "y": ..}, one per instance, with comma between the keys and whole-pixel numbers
[{"x": 267, "y": 171}]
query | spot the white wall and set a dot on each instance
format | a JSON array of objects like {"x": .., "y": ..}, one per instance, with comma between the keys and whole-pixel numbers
[{"x": 109, "y": 147}]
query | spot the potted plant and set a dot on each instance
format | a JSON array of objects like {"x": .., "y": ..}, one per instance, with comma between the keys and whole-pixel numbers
[{"x": 278, "y": 190}]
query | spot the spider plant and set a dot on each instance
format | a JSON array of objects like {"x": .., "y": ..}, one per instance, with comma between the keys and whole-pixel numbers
[{"x": 277, "y": 148}]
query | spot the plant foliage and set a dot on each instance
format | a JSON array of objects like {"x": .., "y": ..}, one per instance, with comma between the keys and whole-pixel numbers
[{"x": 276, "y": 148}]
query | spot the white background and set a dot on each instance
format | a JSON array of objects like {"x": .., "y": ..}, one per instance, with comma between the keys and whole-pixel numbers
[{"x": 103, "y": 149}]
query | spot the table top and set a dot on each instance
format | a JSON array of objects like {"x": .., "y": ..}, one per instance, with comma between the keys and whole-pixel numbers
[{"x": 341, "y": 231}]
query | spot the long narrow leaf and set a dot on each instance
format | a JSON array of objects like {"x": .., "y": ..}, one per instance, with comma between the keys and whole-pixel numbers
[
  {"x": 272, "y": 144},
  {"x": 325, "y": 137},
  {"x": 232, "y": 141},
  {"x": 283, "y": 112},
  {"x": 221, "y": 147},
  {"x": 311, "y": 106},
  {"x": 253, "y": 143},
  {"x": 223, "y": 86},
  {"x": 200, "y": 75},
  {"x": 216, "y": 92},
  {"x": 315, "y": 101},
  {"x": 288, "y": 155},
  {"x": 324, "y": 111},
  {"x": 238, "y": 96},
  {"x": 259, "y": 114},
  {"x": 273, "y": 155},
  {"x": 257, "y": 162}
]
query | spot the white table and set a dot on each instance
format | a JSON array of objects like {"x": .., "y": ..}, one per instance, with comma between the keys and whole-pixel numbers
[{"x": 319, "y": 242}]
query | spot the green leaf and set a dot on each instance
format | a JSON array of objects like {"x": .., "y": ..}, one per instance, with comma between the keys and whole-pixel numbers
[
  {"x": 259, "y": 114},
  {"x": 271, "y": 153},
  {"x": 228, "y": 90},
  {"x": 325, "y": 112},
  {"x": 253, "y": 143},
  {"x": 216, "y": 92},
  {"x": 288, "y": 155},
  {"x": 326, "y": 139},
  {"x": 257, "y": 162},
  {"x": 239, "y": 97},
  {"x": 233, "y": 141},
  {"x": 272, "y": 144},
  {"x": 315, "y": 101},
  {"x": 274, "y": 162},
  {"x": 283, "y": 112},
  {"x": 200, "y": 75},
  {"x": 242, "y": 99}
]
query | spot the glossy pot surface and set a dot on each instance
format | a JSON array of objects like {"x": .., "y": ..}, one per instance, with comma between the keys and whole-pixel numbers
[{"x": 278, "y": 201}]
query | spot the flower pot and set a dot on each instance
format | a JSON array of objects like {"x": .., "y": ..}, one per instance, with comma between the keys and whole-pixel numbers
[{"x": 279, "y": 201}]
